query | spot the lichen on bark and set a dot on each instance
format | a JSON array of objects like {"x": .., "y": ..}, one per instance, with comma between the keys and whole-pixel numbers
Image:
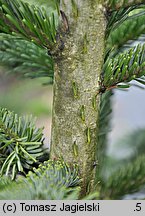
[{"x": 76, "y": 82}]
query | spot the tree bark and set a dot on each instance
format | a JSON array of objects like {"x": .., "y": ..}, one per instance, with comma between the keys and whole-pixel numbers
[{"x": 76, "y": 82}]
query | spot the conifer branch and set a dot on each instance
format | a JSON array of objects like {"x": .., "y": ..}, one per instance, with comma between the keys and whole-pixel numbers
[
  {"x": 21, "y": 144},
  {"x": 4, "y": 182},
  {"x": 124, "y": 68},
  {"x": 53, "y": 180},
  {"x": 126, "y": 180},
  {"x": 116, "y": 5},
  {"x": 104, "y": 127},
  {"x": 118, "y": 17},
  {"x": 129, "y": 30},
  {"x": 133, "y": 142},
  {"x": 24, "y": 58},
  {"x": 31, "y": 22}
]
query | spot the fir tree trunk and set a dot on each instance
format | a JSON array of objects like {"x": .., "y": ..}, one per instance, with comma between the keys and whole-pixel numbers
[{"x": 76, "y": 103}]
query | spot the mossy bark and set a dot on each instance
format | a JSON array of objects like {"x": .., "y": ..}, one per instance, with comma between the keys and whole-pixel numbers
[{"x": 76, "y": 102}]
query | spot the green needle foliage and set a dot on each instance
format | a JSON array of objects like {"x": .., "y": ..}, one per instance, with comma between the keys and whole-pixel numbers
[
  {"x": 117, "y": 4},
  {"x": 53, "y": 180},
  {"x": 29, "y": 21},
  {"x": 128, "y": 31},
  {"x": 30, "y": 37},
  {"x": 126, "y": 180},
  {"x": 58, "y": 171},
  {"x": 24, "y": 58},
  {"x": 104, "y": 127},
  {"x": 4, "y": 182},
  {"x": 124, "y": 68},
  {"x": 21, "y": 143},
  {"x": 133, "y": 143},
  {"x": 117, "y": 18}
]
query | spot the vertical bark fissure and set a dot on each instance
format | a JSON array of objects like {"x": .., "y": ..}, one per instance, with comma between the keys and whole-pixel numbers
[{"x": 76, "y": 104}]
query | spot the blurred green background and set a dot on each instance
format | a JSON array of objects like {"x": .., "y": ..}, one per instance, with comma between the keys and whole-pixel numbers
[{"x": 28, "y": 96}]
